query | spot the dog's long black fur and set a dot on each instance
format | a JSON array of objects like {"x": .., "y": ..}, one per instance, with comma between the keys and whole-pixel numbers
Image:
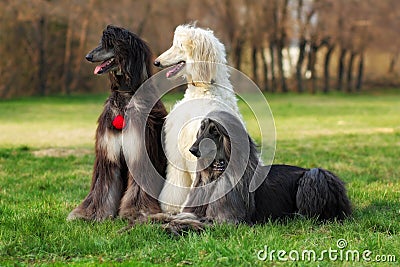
[
  {"x": 114, "y": 189},
  {"x": 285, "y": 192}
]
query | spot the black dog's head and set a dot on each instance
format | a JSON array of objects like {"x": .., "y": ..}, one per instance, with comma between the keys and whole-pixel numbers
[
  {"x": 212, "y": 145},
  {"x": 124, "y": 55},
  {"x": 221, "y": 140}
]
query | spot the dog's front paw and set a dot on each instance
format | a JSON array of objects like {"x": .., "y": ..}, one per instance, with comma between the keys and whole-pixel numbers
[
  {"x": 87, "y": 215},
  {"x": 78, "y": 213}
]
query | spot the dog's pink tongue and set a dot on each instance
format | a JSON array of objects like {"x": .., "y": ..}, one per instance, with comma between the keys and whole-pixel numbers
[
  {"x": 100, "y": 67},
  {"x": 175, "y": 69},
  {"x": 97, "y": 69},
  {"x": 171, "y": 72}
]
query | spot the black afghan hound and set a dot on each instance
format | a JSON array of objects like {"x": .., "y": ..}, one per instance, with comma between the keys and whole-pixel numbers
[
  {"x": 227, "y": 164},
  {"x": 114, "y": 189}
]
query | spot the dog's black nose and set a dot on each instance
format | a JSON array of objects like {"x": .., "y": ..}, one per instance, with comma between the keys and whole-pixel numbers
[
  {"x": 89, "y": 57},
  {"x": 157, "y": 63},
  {"x": 195, "y": 151}
]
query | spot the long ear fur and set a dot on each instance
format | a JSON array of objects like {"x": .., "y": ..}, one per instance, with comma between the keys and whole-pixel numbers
[
  {"x": 129, "y": 51},
  {"x": 237, "y": 205},
  {"x": 133, "y": 60},
  {"x": 227, "y": 147},
  {"x": 204, "y": 51}
]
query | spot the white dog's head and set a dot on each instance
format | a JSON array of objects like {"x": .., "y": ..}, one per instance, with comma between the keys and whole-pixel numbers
[{"x": 193, "y": 55}]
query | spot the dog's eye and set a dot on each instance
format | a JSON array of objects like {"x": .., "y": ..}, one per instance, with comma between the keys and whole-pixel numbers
[{"x": 213, "y": 130}]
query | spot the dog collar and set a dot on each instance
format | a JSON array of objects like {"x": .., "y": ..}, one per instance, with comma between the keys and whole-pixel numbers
[
  {"x": 118, "y": 122},
  {"x": 202, "y": 84}
]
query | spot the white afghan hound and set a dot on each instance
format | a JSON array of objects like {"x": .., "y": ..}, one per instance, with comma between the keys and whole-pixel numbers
[{"x": 197, "y": 55}]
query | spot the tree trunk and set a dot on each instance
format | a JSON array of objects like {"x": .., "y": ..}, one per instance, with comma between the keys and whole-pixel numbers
[
  {"x": 265, "y": 69},
  {"x": 272, "y": 55},
  {"x": 312, "y": 58},
  {"x": 299, "y": 65},
  {"x": 81, "y": 47},
  {"x": 6, "y": 89},
  {"x": 350, "y": 72},
  {"x": 328, "y": 56},
  {"x": 67, "y": 58},
  {"x": 360, "y": 73},
  {"x": 280, "y": 66},
  {"x": 254, "y": 64},
  {"x": 341, "y": 68},
  {"x": 42, "y": 60},
  {"x": 143, "y": 22},
  {"x": 281, "y": 44},
  {"x": 393, "y": 62},
  {"x": 238, "y": 53}
]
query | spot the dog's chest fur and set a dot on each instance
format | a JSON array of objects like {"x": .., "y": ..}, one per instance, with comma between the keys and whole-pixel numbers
[
  {"x": 184, "y": 120},
  {"x": 108, "y": 138}
]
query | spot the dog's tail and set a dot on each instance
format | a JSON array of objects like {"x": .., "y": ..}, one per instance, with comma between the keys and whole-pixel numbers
[{"x": 322, "y": 194}]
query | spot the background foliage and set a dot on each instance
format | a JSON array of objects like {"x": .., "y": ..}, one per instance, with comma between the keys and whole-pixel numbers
[{"x": 337, "y": 44}]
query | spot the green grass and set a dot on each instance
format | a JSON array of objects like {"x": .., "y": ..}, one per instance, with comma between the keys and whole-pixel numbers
[{"x": 46, "y": 157}]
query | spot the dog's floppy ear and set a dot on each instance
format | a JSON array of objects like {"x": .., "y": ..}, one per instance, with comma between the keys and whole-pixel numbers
[
  {"x": 134, "y": 56},
  {"x": 226, "y": 143},
  {"x": 132, "y": 60},
  {"x": 203, "y": 51},
  {"x": 227, "y": 147}
]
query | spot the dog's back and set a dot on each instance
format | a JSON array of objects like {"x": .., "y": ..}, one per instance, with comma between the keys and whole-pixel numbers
[
  {"x": 276, "y": 196},
  {"x": 290, "y": 190}
]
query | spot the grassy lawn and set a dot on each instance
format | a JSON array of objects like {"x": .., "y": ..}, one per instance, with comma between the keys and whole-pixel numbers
[{"x": 46, "y": 157}]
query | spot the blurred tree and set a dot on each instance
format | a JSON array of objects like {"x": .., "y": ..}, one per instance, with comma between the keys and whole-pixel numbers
[
  {"x": 81, "y": 49},
  {"x": 386, "y": 30},
  {"x": 279, "y": 37},
  {"x": 232, "y": 20},
  {"x": 43, "y": 43},
  {"x": 304, "y": 14}
]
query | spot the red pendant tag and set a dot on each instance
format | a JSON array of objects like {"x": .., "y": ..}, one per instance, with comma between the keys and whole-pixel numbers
[{"x": 118, "y": 122}]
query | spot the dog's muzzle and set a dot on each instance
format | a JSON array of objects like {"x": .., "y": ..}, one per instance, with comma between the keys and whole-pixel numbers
[{"x": 219, "y": 165}]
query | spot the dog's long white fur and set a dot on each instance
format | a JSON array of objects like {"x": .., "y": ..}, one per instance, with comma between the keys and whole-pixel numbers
[{"x": 208, "y": 89}]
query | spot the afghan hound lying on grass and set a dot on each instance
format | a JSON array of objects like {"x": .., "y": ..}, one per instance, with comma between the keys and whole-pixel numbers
[
  {"x": 227, "y": 162},
  {"x": 199, "y": 56},
  {"x": 114, "y": 189}
]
